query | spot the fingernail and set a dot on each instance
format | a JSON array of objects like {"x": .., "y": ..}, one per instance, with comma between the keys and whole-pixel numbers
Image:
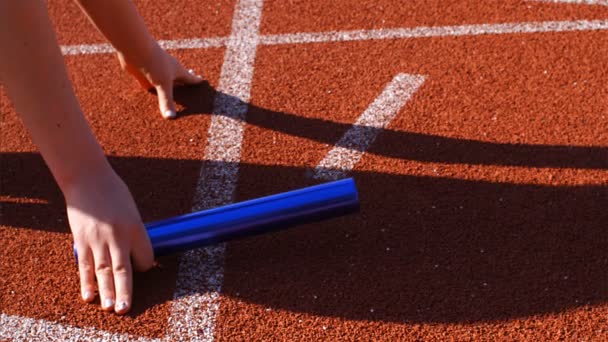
[
  {"x": 170, "y": 114},
  {"x": 120, "y": 306},
  {"x": 191, "y": 72},
  {"x": 108, "y": 303},
  {"x": 87, "y": 296}
]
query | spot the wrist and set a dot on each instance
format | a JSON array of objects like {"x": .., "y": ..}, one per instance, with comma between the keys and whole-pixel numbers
[
  {"x": 83, "y": 170},
  {"x": 142, "y": 56}
]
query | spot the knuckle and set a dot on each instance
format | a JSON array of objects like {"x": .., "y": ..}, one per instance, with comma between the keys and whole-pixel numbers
[
  {"x": 86, "y": 267},
  {"x": 103, "y": 268},
  {"x": 121, "y": 269},
  {"x": 112, "y": 224}
]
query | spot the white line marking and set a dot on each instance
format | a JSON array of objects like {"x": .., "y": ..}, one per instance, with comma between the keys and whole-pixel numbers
[
  {"x": 196, "y": 301},
  {"x": 394, "y": 33},
  {"x": 29, "y": 329},
  {"x": 194, "y": 43},
  {"x": 200, "y": 275},
  {"x": 350, "y": 148},
  {"x": 201, "y": 271},
  {"x": 440, "y": 31},
  {"x": 581, "y": 2},
  {"x": 86, "y": 49}
]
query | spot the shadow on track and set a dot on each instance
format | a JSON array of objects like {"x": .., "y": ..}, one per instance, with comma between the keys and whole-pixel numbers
[
  {"x": 423, "y": 249},
  {"x": 198, "y": 100}
]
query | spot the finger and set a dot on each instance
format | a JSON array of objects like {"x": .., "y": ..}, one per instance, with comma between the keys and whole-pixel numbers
[
  {"x": 188, "y": 77},
  {"x": 165, "y": 101},
  {"x": 123, "y": 278},
  {"x": 143, "y": 81},
  {"x": 86, "y": 270},
  {"x": 105, "y": 279},
  {"x": 141, "y": 252}
]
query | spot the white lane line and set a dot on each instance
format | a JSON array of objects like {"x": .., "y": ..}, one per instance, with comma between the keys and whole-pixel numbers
[
  {"x": 196, "y": 300},
  {"x": 200, "y": 275},
  {"x": 581, "y": 2},
  {"x": 86, "y": 49},
  {"x": 207, "y": 279},
  {"x": 439, "y": 31},
  {"x": 379, "y": 34},
  {"x": 29, "y": 329},
  {"x": 194, "y": 43},
  {"x": 350, "y": 148}
]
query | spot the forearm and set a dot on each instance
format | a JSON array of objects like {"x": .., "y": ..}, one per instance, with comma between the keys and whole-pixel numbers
[
  {"x": 33, "y": 72},
  {"x": 121, "y": 24}
]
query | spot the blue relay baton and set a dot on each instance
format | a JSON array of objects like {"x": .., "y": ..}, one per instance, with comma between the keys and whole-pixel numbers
[{"x": 252, "y": 217}]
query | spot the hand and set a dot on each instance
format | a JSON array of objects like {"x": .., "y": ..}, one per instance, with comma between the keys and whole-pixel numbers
[
  {"x": 108, "y": 233},
  {"x": 161, "y": 72}
]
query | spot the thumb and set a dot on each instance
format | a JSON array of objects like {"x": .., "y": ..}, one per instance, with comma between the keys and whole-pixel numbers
[
  {"x": 188, "y": 77},
  {"x": 165, "y": 100},
  {"x": 141, "y": 253}
]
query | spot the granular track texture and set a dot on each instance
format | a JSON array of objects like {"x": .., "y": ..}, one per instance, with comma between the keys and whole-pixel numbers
[{"x": 483, "y": 202}]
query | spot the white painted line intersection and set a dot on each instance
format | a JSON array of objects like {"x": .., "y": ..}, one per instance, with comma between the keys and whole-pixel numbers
[
  {"x": 196, "y": 301},
  {"x": 378, "y": 34},
  {"x": 200, "y": 273},
  {"x": 202, "y": 270}
]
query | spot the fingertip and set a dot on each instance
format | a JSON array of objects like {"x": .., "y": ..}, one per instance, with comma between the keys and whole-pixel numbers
[
  {"x": 88, "y": 296},
  {"x": 86, "y": 273},
  {"x": 190, "y": 78},
  {"x": 122, "y": 307},
  {"x": 169, "y": 114},
  {"x": 107, "y": 304},
  {"x": 165, "y": 101},
  {"x": 191, "y": 72}
]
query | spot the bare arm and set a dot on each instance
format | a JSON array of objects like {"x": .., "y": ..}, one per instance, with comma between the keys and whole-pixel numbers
[
  {"x": 121, "y": 24},
  {"x": 103, "y": 217},
  {"x": 32, "y": 68}
]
